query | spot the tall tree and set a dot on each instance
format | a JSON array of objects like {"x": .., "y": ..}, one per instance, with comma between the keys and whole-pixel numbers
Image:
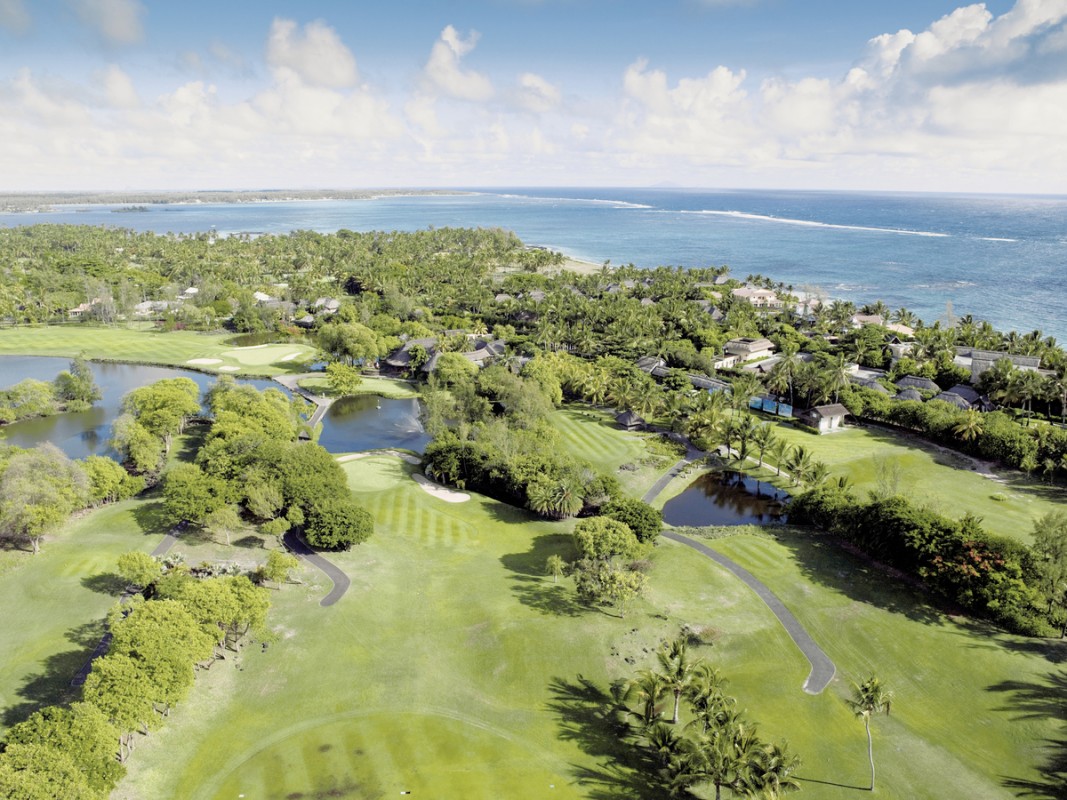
[{"x": 870, "y": 697}]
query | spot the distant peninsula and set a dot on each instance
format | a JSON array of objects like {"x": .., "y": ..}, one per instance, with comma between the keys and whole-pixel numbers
[{"x": 30, "y": 202}]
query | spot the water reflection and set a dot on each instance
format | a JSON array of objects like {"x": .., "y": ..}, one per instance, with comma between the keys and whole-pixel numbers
[
  {"x": 353, "y": 423},
  {"x": 366, "y": 422},
  {"x": 86, "y": 433},
  {"x": 726, "y": 498}
]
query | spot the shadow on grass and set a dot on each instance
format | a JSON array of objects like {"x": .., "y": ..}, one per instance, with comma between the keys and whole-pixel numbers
[
  {"x": 586, "y": 717},
  {"x": 190, "y": 443},
  {"x": 151, "y": 517},
  {"x": 108, "y": 583},
  {"x": 1040, "y": 700},
  {"x": 531, "y": 584},
  {"x": 52, "y": 685},
  {"x": 987, "y": 636},
  {"x": 250, "y": 542},
  {"x": 824, "y": 561}
]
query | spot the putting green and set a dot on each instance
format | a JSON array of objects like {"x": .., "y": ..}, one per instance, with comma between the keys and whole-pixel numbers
[{"x": 369, "y": 755}]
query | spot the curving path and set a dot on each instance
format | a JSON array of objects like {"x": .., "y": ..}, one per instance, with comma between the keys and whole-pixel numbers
[
  {"x": 340, "y": 580},
  {"x": 822, "y": 668},
  {"x": 322, "y": 404}
]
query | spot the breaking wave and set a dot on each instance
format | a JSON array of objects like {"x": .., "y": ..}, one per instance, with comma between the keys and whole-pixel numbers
[{"x": 812, "y": 224}]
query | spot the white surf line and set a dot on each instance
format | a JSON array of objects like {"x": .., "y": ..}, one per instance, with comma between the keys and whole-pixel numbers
[{"x": 813, "y": 224}]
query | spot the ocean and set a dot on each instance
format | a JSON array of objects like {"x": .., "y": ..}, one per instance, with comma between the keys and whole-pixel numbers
[{"x": 996, "y": 257}]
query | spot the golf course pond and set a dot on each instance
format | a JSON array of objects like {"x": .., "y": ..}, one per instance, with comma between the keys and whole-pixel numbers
[
  {"x": 726, "y": 498},
  {"x": 352, "y": 424},
  {"x": 367, "y": 422}
]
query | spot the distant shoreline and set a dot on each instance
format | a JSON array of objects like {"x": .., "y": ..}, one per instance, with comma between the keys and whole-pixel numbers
[{"x": 33, "y": 202}]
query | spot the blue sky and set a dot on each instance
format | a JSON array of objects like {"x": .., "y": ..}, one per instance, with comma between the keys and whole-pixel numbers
[{"x": 822, "y": 94}]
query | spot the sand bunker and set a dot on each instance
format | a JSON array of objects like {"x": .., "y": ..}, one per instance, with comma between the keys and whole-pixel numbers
[
  {"x": 229, "y": 369},
  {"x": 204, "y": 361},
  {"x": 290, "y": 357},
  {"x": 439, "y": 491}
]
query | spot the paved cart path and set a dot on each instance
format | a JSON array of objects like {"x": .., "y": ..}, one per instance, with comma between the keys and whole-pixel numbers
[
  {"x": 822, "y": 668},
  {"x": 340, "y": 580}
]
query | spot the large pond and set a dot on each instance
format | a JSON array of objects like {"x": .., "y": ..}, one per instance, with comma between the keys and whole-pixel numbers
[
  {"x": 369, "y": 423},
  {"x": 725, "y": 498},
  {"x": 349, "y": 426}
]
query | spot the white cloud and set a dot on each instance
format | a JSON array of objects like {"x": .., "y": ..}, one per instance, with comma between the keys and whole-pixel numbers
[
  {"x": 118, "y": 88},
  {"x": 971, "y": 95},
  {"x": 444, "y": 73},
  {"x": 536, "y": 94},
  {"x": 114, "y": 21},
  {"x": 14, "y": 16},
  {"x": 318, "y": 56},
  {"x": 703, "y": 119}
]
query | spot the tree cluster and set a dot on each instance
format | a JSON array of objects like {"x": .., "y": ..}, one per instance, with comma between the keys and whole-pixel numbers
[
  {"x": 691, "y": 733},
  {"x": 993, "y": 576},
  {"x": 156, "y": 646},
  {"x": 41, "y": 487},
  {"x": 253, "y": 466},
  {"x": 995, "y": 436},
  {"x": 72, "y": 390}
]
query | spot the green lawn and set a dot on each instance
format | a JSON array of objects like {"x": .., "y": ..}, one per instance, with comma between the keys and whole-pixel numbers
[
  {"x": 454, "y": 668},
  {"x": 974, "y": 709},
  {"x": 384, "y": 387},
  {"x": 925, "y": 474},
  {"x": 451, "y": 670},
  {"x": 593, "y": 435},
  {"x": 55, "y": 603},
  {"x": 205, "y": 351}
]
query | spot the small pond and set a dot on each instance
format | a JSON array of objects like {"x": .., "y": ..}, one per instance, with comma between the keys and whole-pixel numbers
[
  {"x": 725, "y": 498},
  {"x": 355, "y": 423},
  {"x": 365, "y": 422}
]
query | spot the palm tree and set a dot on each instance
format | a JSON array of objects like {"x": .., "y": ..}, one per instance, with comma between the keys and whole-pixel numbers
[
  {"x": 763, "y": 437},
  {"x": 799, "y": 462},
  {"x": 744, "y": 387},
  {"x": 677, "y": 670},
  {"x": 648, "y": 688},
  {"x": 771, "y": 770},
  {"x": 779, "y": 448},
  {"x": 745, "y": 427},
  {"x": 710, "y": 704},
  {"x": 970, "y": 426},
  {"x": 869, "y": 698}
]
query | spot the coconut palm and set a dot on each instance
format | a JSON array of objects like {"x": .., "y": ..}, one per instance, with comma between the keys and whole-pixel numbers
[
  {"x": 678, "y": 670},
  {"x": 970, "y": 426},
  {"x": 771, "y": 771},
  {"x": 711, "y": 706},
  {"x": 763, "y": 437},
  {"x": 744, "y": 387},
  {"x": 648, "y": 689},
  {"x": 869, "y": 698}
]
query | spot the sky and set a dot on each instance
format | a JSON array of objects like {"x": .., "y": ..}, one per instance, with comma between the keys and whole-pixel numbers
[{"x": 893, "y": 95}]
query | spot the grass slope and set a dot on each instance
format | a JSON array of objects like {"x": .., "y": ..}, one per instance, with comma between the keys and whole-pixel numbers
[
  {"x": 974, "y": 708},
  {"x": 172, "y": 348},
  {"x": 593, "y": 435},
  {"x": 455, "y": 669},
  {"x": 929, "y": 475},
  {"x": 55, "y": 604}
]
